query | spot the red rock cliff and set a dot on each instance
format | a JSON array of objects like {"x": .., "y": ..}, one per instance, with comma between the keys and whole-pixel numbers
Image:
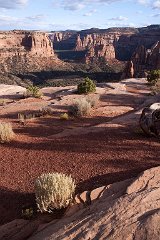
[{"x": 25, "y": 51}]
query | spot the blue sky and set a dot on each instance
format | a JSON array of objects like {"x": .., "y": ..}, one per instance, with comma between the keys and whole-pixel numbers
[{"x": 77, "y": 14}]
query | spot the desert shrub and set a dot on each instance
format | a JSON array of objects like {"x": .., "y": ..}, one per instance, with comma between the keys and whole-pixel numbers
[
  {"x": 80, "y": 108},
  {"x": 33, "y": 91},
  {"x": 27, "y": 213},
  {"x": 46, "y": 111},
  {"x": 88, "y": 86},
  {"x": 23, "y": 117},
  {"x": 64, "y": 116},
  {"x": 2, "y": 102},
  {"x": 153, "y": 76},
  {"x": 54, "y": 191},
  {"x": 93, "y": 100},
  {"x": 6, "y": 132}
]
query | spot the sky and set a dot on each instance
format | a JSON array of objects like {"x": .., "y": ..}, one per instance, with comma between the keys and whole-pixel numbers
[{"x": 56, "y": 15}]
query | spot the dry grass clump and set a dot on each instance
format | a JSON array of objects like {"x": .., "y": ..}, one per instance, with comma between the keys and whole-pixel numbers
[
  {"x": 6, "y": 132},
  {"x": 24, "y": 117},
  {"x": 54, "y": 191},
  {"x": 2, "y": 101},
  {"x": 93, "y": 100},
  {"x": 64, "y": 116},
  {"x": 46, "y": 111},
  {"x": 80, "y": 108}
]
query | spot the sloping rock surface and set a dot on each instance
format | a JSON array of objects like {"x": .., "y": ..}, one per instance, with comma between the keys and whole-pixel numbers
[{"x": 125, "y": 210}]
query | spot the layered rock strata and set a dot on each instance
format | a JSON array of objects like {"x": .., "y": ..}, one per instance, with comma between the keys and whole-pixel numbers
[
  {"x": 138, "y": 45},
  {"x": 22, "y": 51}
]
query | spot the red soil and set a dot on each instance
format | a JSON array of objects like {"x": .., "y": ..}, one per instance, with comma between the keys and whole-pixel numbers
[{"x": 93, "y": 159}]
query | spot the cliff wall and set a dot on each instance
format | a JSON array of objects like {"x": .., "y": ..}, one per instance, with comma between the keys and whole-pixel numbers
[{"x": 22, "y": 51}]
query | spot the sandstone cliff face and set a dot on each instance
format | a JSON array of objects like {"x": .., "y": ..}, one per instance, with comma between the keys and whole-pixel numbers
[
  {"x": 143, "y": 60},
  {"x": 98, "y": 43},
  {"x": 100, "y": 52},
  {"x": 122, "y": 44},
  {"x": 25, "y": 51}
]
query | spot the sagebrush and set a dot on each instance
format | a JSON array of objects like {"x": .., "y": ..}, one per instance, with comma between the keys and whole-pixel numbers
[
  {"x": 54, "y": 191},
  {"x": 64, "y": 116},
  {"x": 80, "y": 108},
  {"x": 6, "y": 132},
  {"x": 93, "y": 100}
]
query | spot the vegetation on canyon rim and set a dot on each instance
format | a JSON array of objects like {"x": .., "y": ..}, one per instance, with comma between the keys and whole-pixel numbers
[
  {"x": 33, "y": 91},
  {"x": 54, "y": 191},
  {"x": 153, "y": 76},
  {"x": 87, "y": 86}
]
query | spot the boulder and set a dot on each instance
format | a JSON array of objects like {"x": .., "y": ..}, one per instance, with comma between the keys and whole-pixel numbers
[{"x": 150, "y": 120}]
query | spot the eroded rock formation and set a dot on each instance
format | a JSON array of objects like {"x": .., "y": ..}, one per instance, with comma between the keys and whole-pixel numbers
[
  {"x": 122, "y": 44},
  {"x": 22, "y": 51},
  {"x": 143, "y": 60}
]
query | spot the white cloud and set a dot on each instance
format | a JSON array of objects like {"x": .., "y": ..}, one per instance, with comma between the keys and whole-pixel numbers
[
  {"x": 120, "y": 24},
  {"x": 11, "y": 4},
  {"x": 143, "y": 2},
  {"x": 31, "y": 22},
  {"x": 36, "y": 17},
  {"x": 120, "y": 18},
  {"x": 74, "y": 5},
  {"x": 156, "y": 15},
  {"x": 156, "y": 4},
  {"x": 90, "y": 13}
]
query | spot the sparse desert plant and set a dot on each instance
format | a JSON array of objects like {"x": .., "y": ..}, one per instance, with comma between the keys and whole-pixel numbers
[
  {"x": 64, "y": 116},
  {"x": 46, "y": 111},
  {"x": 80, "y": 108},
  {"x": 54, "y": 191},
  {"x": 2, "y": 102},
  {"x": 93, "y": 100},
  {"x": 153, "y": 76},
  {"x": 6, "y": 132},
  {"x": 23, "y": 117},
  {"x": 27, "y": 213},
  {"x": 88, "y": 86},
  {"x": 33, "y": 91}
]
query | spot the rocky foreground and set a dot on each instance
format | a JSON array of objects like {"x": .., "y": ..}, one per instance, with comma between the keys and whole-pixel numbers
[{"x": 128, "y": 209}]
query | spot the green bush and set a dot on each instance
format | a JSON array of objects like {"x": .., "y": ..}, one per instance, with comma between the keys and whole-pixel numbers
[
  {"x": 88, "y": 86},
  {"x": 54, "y": 191},
  {"x": 6, "y": 132},
  {"x": 153, "y": 76},
  {"x": 33, "y": 91}
]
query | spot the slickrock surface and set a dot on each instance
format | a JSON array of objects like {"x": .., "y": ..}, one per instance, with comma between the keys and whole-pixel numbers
[
  {"x": 129, "y": 209},
  {"x": 125, "y": 210},
  {"x": 97, "y": 150}
]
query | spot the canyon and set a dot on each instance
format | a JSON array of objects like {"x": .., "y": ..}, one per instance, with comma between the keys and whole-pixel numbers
[
  {"x": 24, "y": 51},
  {"x": 113, "y": 45},
  {"x": 101, "y": 54}
]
